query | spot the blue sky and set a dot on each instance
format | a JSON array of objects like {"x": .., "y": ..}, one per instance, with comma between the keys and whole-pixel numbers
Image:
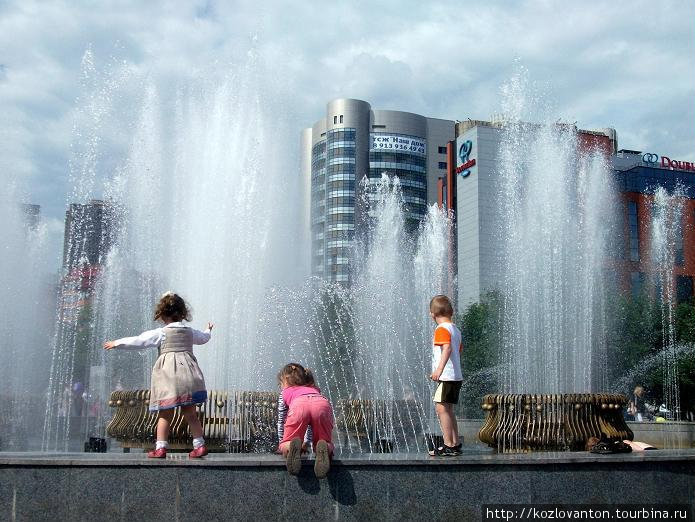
[{"x": 622, "y": 64}]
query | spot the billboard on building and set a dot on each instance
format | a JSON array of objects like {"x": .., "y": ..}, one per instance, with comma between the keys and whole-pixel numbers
[
  {"x": 466, "y": 155},
  {"x": 397, "y": 143}
]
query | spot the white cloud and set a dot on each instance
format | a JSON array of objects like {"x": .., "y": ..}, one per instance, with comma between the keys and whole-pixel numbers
[{"x": 621, "y": 64}]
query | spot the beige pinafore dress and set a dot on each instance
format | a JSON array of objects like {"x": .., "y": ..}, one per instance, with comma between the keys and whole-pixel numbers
[{"x": 176, "y": 376}]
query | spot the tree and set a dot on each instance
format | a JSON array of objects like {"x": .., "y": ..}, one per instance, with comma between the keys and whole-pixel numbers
[
  {"x": 636, "y": 342},
  {"x": 480, "y": 324},
  {"x": 633, "y": 334}
]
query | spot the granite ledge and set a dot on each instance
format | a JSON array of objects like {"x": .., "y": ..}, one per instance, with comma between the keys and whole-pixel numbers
[{"x": 477, "y": 458}]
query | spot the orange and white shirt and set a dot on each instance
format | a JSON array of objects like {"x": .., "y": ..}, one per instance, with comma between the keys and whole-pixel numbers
[{"x": 448, "y": 333}]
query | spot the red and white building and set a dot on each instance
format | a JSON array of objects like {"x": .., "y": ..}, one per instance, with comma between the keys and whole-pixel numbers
[{"x": 471, "y": 190}]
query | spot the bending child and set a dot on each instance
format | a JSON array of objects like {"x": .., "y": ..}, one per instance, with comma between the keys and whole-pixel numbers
[
  {"x": 176, "y": 377},
  {"x": 446, "y": 372},
  {"x": 302, "y": 407}
]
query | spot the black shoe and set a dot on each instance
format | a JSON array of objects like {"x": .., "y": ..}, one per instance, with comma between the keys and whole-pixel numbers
[
  {"x": 448, "y": 451},
  {"x": 437, "y": 451},
  {"x": 602, "y": 448},
  {"x": 620, "y": 447}
]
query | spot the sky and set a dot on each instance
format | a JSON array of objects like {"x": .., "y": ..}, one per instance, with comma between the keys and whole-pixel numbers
[{"x": 621, "y": 64}]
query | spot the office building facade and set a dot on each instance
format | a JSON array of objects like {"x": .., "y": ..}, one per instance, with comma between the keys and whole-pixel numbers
[
  {"x": 638, "y": 174},
  {"x": 32, "y": 215},
  {"x": 88, "y": 234},
  {"x": 345, "y": 153},
  {"x": 471, "y": 189}
]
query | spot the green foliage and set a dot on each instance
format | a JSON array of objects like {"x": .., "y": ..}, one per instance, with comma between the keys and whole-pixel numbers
[
  {"x": 634, "y": 333},
  {"x": 333, "y": 322},
  {"x": 686, "y": 375},
  {"x": 685, "y": 322},
  {"x": 480, "y": 324}
]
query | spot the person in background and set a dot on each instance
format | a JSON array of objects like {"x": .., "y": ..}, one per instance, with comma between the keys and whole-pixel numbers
[{"x": 637, "y": 407}]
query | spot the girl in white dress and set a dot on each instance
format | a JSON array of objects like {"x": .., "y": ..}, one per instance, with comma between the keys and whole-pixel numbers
[{"x": 176, "y": 377}]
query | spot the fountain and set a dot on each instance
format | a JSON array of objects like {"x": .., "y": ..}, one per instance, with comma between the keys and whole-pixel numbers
[
  {"x": 554, "y": 226},
  {"x": 28, "y": 303},
  {"x": 557, "y": 203},
  {"x": 352, "y": 338},
  {"x": 667, "y": 252},
  {"x": 524, "y": 422},
  {"x": 197, "y": 205}
]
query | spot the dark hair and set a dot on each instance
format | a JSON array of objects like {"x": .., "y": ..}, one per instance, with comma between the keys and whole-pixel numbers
[
  {"x": 440, "y": 306},
  {"x": 172, "y": 306},
  {"x": 296, "y": 375}
]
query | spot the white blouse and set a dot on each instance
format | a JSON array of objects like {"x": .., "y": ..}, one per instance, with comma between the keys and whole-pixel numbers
[{"x": 155, "y": 338}]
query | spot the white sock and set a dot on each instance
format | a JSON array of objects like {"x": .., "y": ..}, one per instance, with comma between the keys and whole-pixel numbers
[
  {"x": 198, "y": 442},
  {"x": 161, "y": 444}
]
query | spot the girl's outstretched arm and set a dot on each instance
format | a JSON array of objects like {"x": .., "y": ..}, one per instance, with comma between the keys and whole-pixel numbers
[
  {"x": 148, "y": 339},
  {"x": 202, "y": 337}
]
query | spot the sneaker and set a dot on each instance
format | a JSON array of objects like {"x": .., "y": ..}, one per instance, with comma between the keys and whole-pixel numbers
[
  {"x": 198, "y": 452},
  {"x": 323, "y": 460},
  {"x": 435, "y": 452},
  {"x": 160, "y": 453},
  {"x": 294, "y": 457},
  {"x": 448, "y": 451}
]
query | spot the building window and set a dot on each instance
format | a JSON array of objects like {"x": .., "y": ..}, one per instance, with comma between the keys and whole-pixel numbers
[
  {"x": 341, "y": 118},
  {"x": 634, "y": 230},
  {"x": 684, "y": 288},
  {"x": 636, "y": 280},
  {"x": 335, "y": 120},
  {"x": 378, "y": 126},
  {"x": 442, "y": 165},
  {"x": 441, "y": 150}
]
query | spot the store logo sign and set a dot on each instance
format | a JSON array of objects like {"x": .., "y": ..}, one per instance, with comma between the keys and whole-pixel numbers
[
  {"x": 667, "y": 163},
  {"x": 650, "y": 157},
  {"x": 464, "y": 154},
  {"x": 677, "y": 164}
]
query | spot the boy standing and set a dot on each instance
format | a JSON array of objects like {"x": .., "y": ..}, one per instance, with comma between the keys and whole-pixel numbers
[{"x": 446, "y": 371}]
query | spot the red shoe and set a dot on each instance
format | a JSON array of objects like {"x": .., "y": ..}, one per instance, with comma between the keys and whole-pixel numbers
[
  {"x": 198, "y": 452},
  {"x": 160, "y": 453}
]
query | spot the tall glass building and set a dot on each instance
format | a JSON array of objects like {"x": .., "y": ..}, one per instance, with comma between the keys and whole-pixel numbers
[{"x": 353, "y": 142}]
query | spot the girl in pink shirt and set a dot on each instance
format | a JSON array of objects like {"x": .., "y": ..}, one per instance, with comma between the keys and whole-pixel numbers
[{"x": 303, "y": 413}]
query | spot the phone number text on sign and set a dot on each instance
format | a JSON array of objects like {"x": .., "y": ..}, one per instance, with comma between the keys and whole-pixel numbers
[{"x": 398, "y": 143}]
